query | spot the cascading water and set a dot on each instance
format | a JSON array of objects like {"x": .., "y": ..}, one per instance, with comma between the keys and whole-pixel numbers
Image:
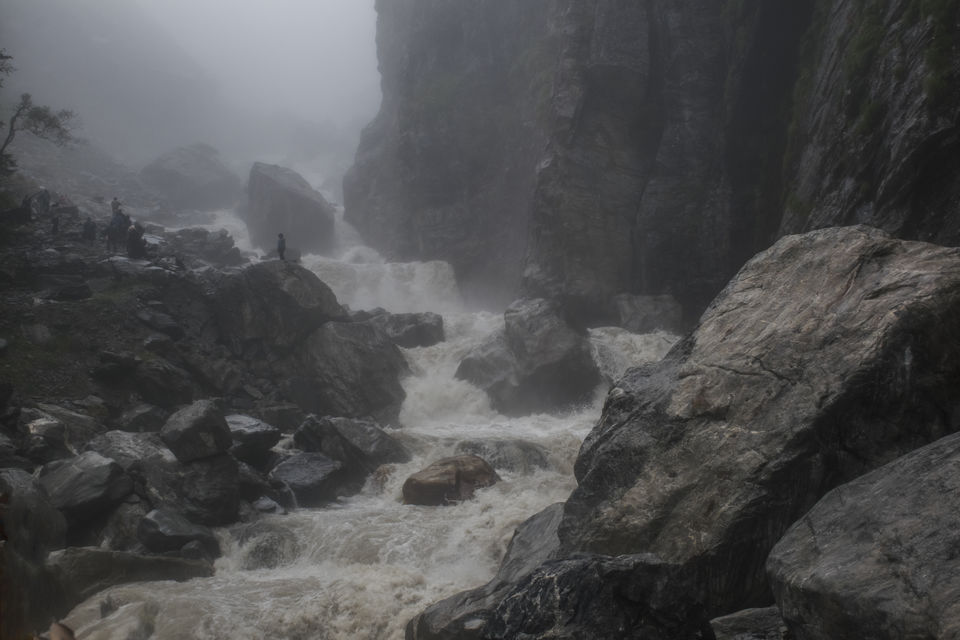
[{"x": 363, "y": 567}]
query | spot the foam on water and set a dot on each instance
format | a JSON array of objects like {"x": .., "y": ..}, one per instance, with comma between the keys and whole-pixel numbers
[{"x": 363, "y": 567}]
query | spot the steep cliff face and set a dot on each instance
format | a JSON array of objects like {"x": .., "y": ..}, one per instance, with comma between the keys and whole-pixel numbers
[
  {"x": 652, "y": 147},
  {"x": 875, "y": 130},
  {"x": 445, "y": 171}
]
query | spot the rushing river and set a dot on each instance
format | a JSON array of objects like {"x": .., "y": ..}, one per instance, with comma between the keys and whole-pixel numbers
[{"x": 363, "y": 567}]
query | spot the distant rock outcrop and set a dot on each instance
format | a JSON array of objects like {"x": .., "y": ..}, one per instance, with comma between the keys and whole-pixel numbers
[
  {"x": 193, "y": 177},
  {"x": 281, "y": 201}
]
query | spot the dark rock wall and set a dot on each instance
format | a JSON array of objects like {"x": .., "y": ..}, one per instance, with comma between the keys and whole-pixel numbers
[
  {"x": 652, "y": 147},
  {"x": 445, "y": 171},
  {"x": 875, "y": 129}
]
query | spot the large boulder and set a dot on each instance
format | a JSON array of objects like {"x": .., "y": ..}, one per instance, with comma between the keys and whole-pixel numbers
[
  {"x": 360, "y": 445},
  {"x": 449, "y": 480},
  {"x": 348, "y": 369},
  {"x": 193, "y": 177},
  {"x": 828, "y": 355},
  {"x": 198, "y": 431},
  {"x": 272, "y": 306},
  {"x": 281, "y": 201},
  {"x": 539, "y": 362},
  {"x": 85, "y": 486},
  {"x": 877, "y": 557},
  {"x": 206, "y": 491}
]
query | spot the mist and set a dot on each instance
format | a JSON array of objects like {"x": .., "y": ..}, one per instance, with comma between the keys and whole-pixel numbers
[{"x": 281, "y": 80}]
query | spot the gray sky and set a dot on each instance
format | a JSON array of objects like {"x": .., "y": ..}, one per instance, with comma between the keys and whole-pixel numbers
[
  {"x": 316, "y": 58},
  {"x": 255, "y": 78}
]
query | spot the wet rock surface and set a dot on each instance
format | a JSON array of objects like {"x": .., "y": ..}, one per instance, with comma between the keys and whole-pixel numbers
[
  {"x": 538, "y": 363},
  {"x": 823, "y": 359},
  {"x": 892, "y": 534}
]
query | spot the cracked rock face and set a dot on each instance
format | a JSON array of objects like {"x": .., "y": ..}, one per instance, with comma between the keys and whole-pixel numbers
[{"x": 830, "y": 354}]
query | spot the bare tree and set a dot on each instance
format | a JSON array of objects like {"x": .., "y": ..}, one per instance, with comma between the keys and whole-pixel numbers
[{"x": 41, "y": 121}]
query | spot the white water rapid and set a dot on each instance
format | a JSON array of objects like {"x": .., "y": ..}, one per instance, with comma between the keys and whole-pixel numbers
[{"x": 362, "y": 568}]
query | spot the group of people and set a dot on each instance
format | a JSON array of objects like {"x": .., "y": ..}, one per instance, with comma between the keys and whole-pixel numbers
[{"x": 122, "y": 232}]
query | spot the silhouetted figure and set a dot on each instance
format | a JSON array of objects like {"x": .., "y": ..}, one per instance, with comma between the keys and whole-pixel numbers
[
  {"x": 136, "y": 243},
  {"x": 115, "y": 205},
  {"x": 89, "y": 233},
  {"x": 281, "y": 246},
  {"x": 55, "y": 225}
]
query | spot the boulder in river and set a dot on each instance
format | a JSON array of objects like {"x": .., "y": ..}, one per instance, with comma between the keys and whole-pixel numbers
[
  {"x": 538, "y": 363},
  {"x": 348, "y": 369},
  {"x": 360, "y": 445},
  {"x": 449, "y": 480},
  {"x": 410, "y": 330}
]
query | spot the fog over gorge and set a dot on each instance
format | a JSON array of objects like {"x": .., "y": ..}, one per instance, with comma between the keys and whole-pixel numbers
[
  {"x": 479, "y": 319},
  {"x": 247, "y": 77}
]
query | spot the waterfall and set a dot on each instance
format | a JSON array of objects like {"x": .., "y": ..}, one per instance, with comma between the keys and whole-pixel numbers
[{"x": 363, "y": 567}]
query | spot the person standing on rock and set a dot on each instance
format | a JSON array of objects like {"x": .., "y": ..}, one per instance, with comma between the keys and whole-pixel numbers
[
  {"x": 115, "y": 205},
  {"x": 281, "y": 246}
]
